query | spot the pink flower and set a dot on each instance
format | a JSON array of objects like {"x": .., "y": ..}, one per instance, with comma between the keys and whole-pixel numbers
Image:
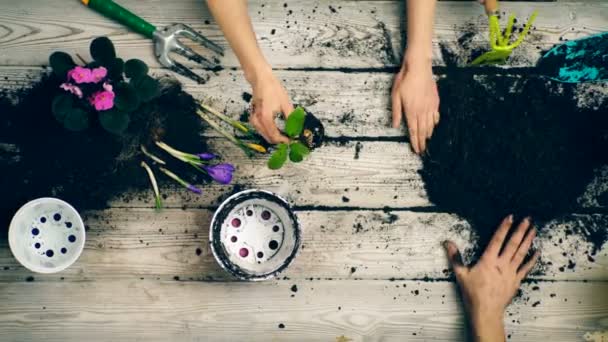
[
  {"x": 102, "y": 100},
  {"x": 98, "y": 74},
  {"x": 72, "y": 89},
  {"x": 107, "y": 86},
  {"x": 80, "y": 75}
]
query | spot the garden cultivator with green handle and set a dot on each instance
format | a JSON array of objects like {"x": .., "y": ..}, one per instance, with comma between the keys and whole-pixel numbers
[
  {"x": 165, "y": 39},
  {"x": 500, "y": 41}
]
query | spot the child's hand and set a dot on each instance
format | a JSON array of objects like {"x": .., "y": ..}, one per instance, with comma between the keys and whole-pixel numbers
[{"x": 489, "y": 286}]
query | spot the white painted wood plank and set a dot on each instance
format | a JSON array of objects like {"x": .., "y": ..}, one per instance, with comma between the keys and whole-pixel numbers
[
  {"x": 351, "y": 105},
  {"x": 318, "y": 311},
  {"x": 306, "y": 33},
  {"x": 134, "y": 243}
]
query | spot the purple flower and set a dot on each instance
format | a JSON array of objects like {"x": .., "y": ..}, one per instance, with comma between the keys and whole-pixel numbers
[
  {"x": 206, "y": 156},
  {"x": 221, "y": 173},
  {"x": 72, "y": 89},
  {"x": 194, "y": 189}
]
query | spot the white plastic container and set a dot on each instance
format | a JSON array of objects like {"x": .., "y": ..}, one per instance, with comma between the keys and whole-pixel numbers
[
  {"x": 46, "y": 235},
  {"x": 254, "y": 235}
]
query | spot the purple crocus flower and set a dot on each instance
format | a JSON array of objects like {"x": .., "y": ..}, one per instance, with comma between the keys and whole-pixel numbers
[
  {"x": 221, "y": 173},
  {"x": 194, "y": 189},
  {"x": 206, "y": 156}
]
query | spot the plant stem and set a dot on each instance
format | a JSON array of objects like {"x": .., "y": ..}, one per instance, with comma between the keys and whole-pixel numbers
[
  {"x": 151, "y": 156},
  {"x": 225, "y": 118},
  {"x": 158, "y": 201},
  {"x": 227, "y": 135},
  {"x": 180, "y": 181}
]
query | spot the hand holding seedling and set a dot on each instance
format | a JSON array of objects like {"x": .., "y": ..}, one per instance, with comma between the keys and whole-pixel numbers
[
  {"x": 269, "y": 99},
  {"x": 414, "y": 94},
  {"x": 269, "y": 96},
  {"x": 489, "y": 286}
]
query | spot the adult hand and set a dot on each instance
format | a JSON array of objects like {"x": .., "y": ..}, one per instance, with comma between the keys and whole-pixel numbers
[
  {"x": 489, "y": 286},
  {"x": 415, "y": 96},
  {"x": 269, "y": 99}
]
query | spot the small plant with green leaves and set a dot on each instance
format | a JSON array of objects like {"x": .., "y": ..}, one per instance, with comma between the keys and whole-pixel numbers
[
  {"x": 305, "y": 132},
  {"x": 106, "y": 90},
  {"x": 295, "y": 150}
]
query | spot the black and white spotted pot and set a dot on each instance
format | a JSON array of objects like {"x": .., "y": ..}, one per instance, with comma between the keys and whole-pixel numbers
[
  {"x": 254, "y": 235},
  {"x": 46, "y": 235}
]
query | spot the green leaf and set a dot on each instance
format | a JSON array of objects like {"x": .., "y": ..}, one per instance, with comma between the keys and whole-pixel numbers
[
  {"x": 61, "y": 63},
  {"x": 62, "y": 105},
  {"x": 278, "y": 158},
  {"x": 147, "y": 88},
  {"x": 297, "y": 152},
  {"x": 295, "y": 122},
  {"x": 114, "y": 120},
  {"x": 115, "y": 69},
  {"x": 93, "y": 65},
  {"x": 76, "y": 120},
  {"x": 102, "y": 50},
  {"x": 126, "y": 98},
  {"x": 135, "y": 69}
]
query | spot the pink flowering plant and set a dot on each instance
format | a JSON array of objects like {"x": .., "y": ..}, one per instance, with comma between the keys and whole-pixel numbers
[{"x": 105, "y": 91}]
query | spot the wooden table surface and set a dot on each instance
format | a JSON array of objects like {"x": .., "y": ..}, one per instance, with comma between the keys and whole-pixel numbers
[{"x": 371, "y": 267}]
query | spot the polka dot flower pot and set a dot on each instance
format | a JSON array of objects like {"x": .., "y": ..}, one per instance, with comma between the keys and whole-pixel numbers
[{"x": 46, "y": 235}]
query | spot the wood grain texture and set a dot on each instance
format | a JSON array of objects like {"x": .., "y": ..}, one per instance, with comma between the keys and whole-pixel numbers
[
  {"x": 355, "y": 34},
  {"x": 362, "y": 143},
  {"x": 319, "y": 311},
  {"x": 352, "y": 105},
  {"x": 134, "y": 243}
]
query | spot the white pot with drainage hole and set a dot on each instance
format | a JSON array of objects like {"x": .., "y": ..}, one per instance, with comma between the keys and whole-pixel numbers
[
  {"x": 254, "y": 235},
  {"x": 46, "y": 235}
]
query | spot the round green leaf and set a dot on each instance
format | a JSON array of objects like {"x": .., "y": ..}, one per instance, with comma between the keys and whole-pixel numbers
[
  {"x": 61, "y": 63},
  {"x": 102, "y": 50},
  {"x": 76, "y": 120},
  {"x": 147, "y": 88},
  {"x": 135, "y": 69},
  {"x": 278, "y": 158},
  {"x": 62, "y": 105},
  {"x": 114, "y": 120},
  {"x": 126, "y": 98},
  {"x": 297, "y": 152},
  {"x": 295, "y": 122},
  {"x": 115, "y": 69}
]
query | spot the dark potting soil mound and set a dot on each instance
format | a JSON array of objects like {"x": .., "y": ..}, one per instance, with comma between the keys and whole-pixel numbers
[
  {"x": 38, "y": 157},
  {"x": 513, "y": 144}
]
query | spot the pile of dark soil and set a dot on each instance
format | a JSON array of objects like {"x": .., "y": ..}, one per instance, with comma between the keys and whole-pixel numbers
[
  {"x": 514, "y": 143},
  {"x": 38, "y": 157}
]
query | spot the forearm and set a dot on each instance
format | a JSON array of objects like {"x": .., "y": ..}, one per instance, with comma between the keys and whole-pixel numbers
[
  {"x": 485, "y": 328},
  {"x": 420, "y": 21},
  {"x": 233, "y": 19}
]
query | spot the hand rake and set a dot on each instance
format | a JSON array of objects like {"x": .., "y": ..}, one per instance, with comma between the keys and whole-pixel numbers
[
  {"x": 500, "y": 41},
  {"x": 165, "y": 39}
]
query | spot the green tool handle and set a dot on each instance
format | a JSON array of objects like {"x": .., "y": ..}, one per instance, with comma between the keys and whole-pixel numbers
[{"x": 114, "y": 11}]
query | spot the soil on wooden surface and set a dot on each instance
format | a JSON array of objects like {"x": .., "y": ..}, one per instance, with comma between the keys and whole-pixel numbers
[
  {"x": 517, "y": 144},
  {"x": 38, "y": 157}
]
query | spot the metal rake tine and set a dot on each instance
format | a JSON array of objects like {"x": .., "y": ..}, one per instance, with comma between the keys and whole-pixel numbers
[
  {"x": 197, "y": 37},
  {"x": 187, "y": 52},
  {"x": 185, "y": 71}
]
